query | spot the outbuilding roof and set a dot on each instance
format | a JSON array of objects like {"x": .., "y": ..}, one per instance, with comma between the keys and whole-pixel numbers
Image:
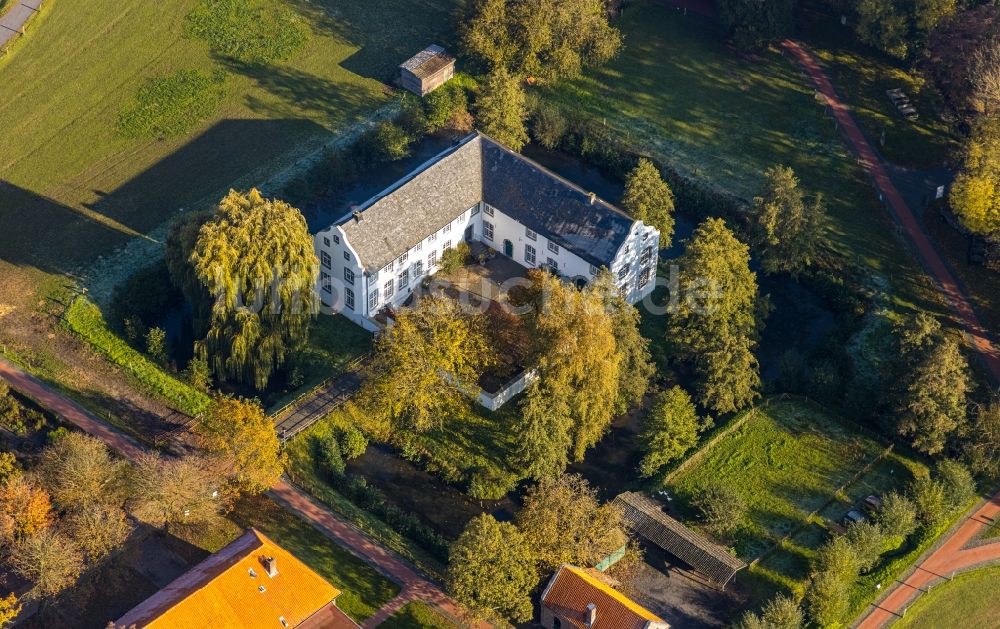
[
  {"x": 232, "y": 588},
  {"x": 478, "y": 169},
  {"x": 573, "y": 589},
  {"x": 647, "y": 519},
  {"x": 427, "y": 62}
]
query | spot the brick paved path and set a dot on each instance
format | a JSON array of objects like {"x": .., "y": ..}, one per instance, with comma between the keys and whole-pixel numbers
[
  {"x": 414, "y": 585},
  {"x": 951, "y": 555}
]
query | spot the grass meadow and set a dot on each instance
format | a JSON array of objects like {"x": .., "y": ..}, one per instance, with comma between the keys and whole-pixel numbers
[
  {"x": 787, "y": 460},
  {"x": 681, "y": 94},
  {"x": 969, "y": 601},
  {"x": 418, "y": 615}
]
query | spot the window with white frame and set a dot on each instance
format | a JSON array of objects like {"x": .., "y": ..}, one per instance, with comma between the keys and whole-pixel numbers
[
  {"x": 326, "y": 241},
  {"x": 432, "y": 237},
  {"x": 404, "y": 279},
  {"x": 447, "y": 228},
  {"x": 529, "y": 254},
  {"x": 347, "y": 256},
  {"x": 488, "y": 210},
  {"x": 628, "y": 249},
  {"x": 553, "y": 247},
  {"x": 487, "y": 230},
  {"x": 418, "y": 268},
  {"x": 623, "y": 290},
  {"x": 432, "y": 259},
  {"x": 475, "y": 210},
  {"x": 349, "y": 276},
  {"x": 325, "y": 259},
  {"x": 553, "y": 264},
  {"x": 372, "y": 300},
  {"x": 349, "y": 298},
  {"x": 646, "y": 255},
  {"x": 387, "y": 290},
  {"x": 447, "y": 244},
  {"x": 593, "y": 269},
  {"x": 418, "y": 246},
  {"x": 336, "y": 239},
  {"x": 530, "y": 234},
  {"x": 324, "y": 281},
  {"x": 387, "y": 268},
  {"x": 622, "y": 272},
  {"x": 403, "y": 258},
  {"x": 644, "y": 277}
]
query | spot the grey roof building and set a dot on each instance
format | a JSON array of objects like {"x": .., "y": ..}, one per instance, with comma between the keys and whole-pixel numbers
[{"x": 479, "y": 189}]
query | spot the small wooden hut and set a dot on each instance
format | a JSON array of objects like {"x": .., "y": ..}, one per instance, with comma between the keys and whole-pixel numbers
[{"x": 427, "y": 70}]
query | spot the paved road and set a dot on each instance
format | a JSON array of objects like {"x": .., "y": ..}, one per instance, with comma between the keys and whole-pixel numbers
[
  {"x": 15, "y": 18},
  {"x": 901, "y": 212},
  {"x": 950, "y": 556},
  {"x": 414, "y": 585}
]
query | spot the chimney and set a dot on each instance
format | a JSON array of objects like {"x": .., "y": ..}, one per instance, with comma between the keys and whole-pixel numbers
[
  {"x": 271, "y": 566},
  {"x": 357, "y": 216},
  {"x": 591, "y": 614},
  {"x": 593, "y": 198}
]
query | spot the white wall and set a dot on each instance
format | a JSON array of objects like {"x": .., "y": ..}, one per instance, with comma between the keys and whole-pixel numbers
[{"x": 629, "y": 257}]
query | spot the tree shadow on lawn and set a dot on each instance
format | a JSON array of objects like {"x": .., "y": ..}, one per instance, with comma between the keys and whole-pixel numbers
[{"x": 387, "y": 32}]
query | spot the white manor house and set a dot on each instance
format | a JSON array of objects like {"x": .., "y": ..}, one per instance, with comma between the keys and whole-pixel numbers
[{"x": 478, "y": 190}]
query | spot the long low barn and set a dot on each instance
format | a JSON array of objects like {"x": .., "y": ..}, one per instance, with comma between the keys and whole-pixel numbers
[{"x": 647, "y": 520}]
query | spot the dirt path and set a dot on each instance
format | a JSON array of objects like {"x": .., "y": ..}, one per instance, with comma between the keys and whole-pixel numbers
[
  {"x": 951, "y": 555},
  {"x": 415, "y": 587},
  {"x": 901, "y": 212}
]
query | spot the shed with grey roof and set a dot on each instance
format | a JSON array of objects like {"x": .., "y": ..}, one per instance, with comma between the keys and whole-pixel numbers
[{"x": 427, "y": 70}]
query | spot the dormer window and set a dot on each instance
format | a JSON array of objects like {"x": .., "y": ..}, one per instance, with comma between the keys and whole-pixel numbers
[{"x": 253, "y": 574}]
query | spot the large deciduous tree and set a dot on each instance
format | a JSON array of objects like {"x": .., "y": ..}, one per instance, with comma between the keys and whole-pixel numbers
[
  {"x": 982, "y": 446},
  {"x": 932, "y": 384},
  {"x": 491, "y": 570},
  {"x": 649, "y": 199},
  {"x": 549, "y": 39},
  {"x": 25, "y": 509},
  {"x": 671, "y": 429},
  {"x": 544, "y": 429},
  {"x": 98, "y": 529},
  {"x": 715, "y": 326},
  {"x": 754, "y": 23},
  {"x": 175, "y": 490},
  {"x": 241, "y": 440},
  {"x": 975, "y": 195},
  {"x": 49, "y": 559},
  {"x": 428, "y": 361},
  {"x": 563, "y": 522},
  {"x": 781, "y": 612},
  {"x": 255, "y": 257},
  {"x": 785, "y": 228},
  {"x": 501, "y": 109},
  {"x": 79, "y": 470},
  {"x": 632, "y": 347}
]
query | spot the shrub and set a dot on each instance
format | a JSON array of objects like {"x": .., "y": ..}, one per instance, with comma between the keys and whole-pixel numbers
[
  {"x": 156, "y": 345},
  {"x": 393, "y": 141},
  {"x": 929, "y": 497},
  {"x": 721, "y": 508},
  {"x": 868, "y": 540},
  {"x": 897, "y": 516},
  {"x": 328, "y": 456},
  {"x": 444, "y": 105},
  {"x": 491, "y": 484},
  {"x": 455, "y": 258},
  {"x": 353, "y": 442},
  {"x": 959, "y": 486},
  {"x": 549, "y": 125},
  {"x": 250, "y": 34},
  {"x": 172, "y": 105}
]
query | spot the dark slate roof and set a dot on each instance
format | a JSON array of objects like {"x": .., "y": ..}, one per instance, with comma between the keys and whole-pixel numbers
[
  {"x": 552, "y": 206},
  {"x": 480, "y": 169},
  {"x": 426, "y": 200},
  {"x": 427, "y": 62},
  {"x": 647, "y": 519}
]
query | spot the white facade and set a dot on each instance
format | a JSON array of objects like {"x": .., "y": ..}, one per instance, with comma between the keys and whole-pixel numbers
[{"x": 345, "y": 286}]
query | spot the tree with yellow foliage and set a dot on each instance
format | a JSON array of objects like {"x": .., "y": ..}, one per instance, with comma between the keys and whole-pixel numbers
[
  {"x": 240, "y": 439},
  {"x": 428, "y": 361},
  {"x": 975, "y": 195},
  {"x": 9, "y": 609},
  {"x": 25, "y": 509}
]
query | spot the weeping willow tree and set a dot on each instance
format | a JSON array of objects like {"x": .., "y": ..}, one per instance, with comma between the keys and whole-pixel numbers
[{"x": 255, "y": 257}]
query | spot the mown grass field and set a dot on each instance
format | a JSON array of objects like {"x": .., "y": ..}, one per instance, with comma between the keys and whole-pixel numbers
[
  {"x": 969, "y": 601},
  {"x": 786, "y": 461},
  {"x": 678, "y": 92},
  {"x": 79, "y": 180}
]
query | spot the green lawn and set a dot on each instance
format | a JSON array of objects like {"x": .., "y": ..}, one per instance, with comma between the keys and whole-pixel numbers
[
  {"x": 969, "y": 601},
  {"x": 678, "y": 92},
  {"x": 419, "y": 616},
  {"x": 786, "y": 461},
  {"x": 364, "y": 589}
]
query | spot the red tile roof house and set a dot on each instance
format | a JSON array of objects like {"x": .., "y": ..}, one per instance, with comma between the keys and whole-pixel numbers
[
  {"x": 575, "y": 598},
  {"x": 252, "y": 582}
]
